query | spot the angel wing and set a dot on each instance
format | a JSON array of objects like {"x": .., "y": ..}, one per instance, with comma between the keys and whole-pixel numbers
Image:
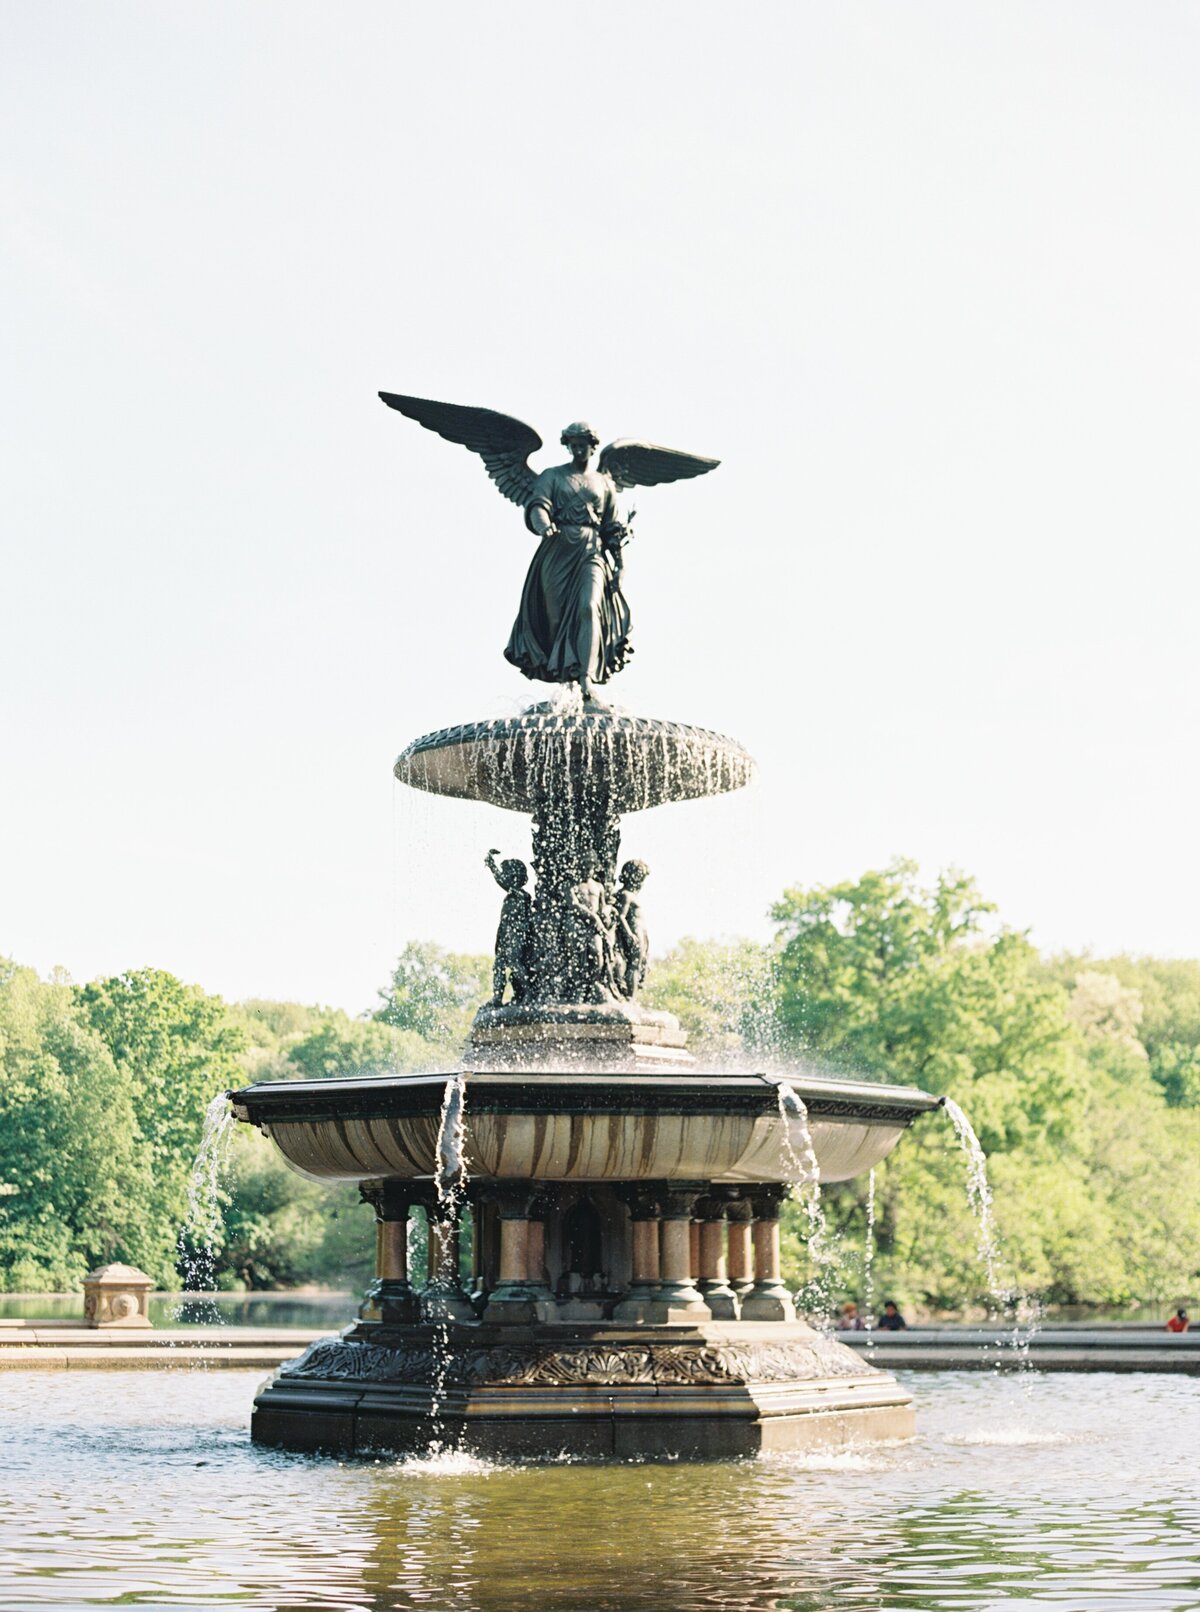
[
  {"x": 504, "y": 444},
  {"x": 642, "y": 464}
]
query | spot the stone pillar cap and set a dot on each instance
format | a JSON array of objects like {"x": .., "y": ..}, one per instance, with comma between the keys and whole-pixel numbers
[{"x": 118, "y": 1275}]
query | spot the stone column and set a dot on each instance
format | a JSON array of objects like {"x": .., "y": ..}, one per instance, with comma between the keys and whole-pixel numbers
[
  {"x": 739, "y": 1213},
  {"x": 442, "y": 1297},
  {"x": 768, "y": 1300},
  {"x": 644, "y": 1217},
  {"x": 714, "y": 1284},
  {"x": 389, "y": 1299},
  {"x": 535, "y": 1247},
  {"x": 512, "y": 1300},
  {"x": 678, "y": 1297}
]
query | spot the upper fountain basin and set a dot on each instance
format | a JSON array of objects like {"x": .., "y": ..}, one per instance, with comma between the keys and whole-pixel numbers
[
  {"x": 633, "y": 762},
  {"x": 578, "y": 1127}
]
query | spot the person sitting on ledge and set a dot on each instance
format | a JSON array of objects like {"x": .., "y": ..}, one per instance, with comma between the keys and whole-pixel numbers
[
  {"x": 1179, "y": 1322},
  {"x": 891, "y": 1320},
  {"x": 850, "y": 1320}
]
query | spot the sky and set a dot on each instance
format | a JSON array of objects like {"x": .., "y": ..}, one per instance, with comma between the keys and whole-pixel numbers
[{"x": 922, "y": 277}]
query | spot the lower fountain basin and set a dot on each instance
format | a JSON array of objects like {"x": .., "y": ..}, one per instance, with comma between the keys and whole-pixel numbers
[
  {"x": 583, "y": 1127},
  {"x": 713, "y": 1391}
]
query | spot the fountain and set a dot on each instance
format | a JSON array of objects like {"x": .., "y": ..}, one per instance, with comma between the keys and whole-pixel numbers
[{"x": 625, "y": 1296}]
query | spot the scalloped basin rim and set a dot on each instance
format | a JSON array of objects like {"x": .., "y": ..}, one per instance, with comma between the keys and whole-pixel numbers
[
  {"x": 582, "y": 1128},
  {"x": 513, "y": 762},
  {"x": 514, "y": 1091}
]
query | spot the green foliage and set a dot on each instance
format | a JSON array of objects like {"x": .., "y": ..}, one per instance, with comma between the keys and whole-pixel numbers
[
  {"x": 282, "y": 1230},
  {"x": 1081, "y": 1076},
  {"x": 723, "y": 994},
  {"x": 178, "y": 1049},
  {"x": 1094, "y": 1177},
  {"x": 882, "y": 979},
  {"x": 339, "y": 1046},
  {"x": 435, "y": 994},
  {"x": 78, "y": 1192},
  {"x": 1164, "y": 997}
]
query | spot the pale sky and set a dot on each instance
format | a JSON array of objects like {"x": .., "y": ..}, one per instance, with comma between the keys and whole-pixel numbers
[{"x": 924, "y": 278}]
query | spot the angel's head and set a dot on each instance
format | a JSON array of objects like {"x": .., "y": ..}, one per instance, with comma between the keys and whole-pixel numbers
[{"x": 581, "y": 440}]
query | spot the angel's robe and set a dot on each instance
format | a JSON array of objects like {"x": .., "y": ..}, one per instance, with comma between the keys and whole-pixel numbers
[{"x": 574, "y": 620}]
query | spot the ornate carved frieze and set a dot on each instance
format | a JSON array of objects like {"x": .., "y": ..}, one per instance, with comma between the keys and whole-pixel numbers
[{"x": 593, "y": 1364}]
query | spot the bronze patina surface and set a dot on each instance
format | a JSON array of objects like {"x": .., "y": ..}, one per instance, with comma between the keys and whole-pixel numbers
[{"x": 624, "y": 1294}]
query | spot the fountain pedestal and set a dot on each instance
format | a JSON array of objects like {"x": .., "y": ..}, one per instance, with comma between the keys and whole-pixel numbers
[
  {"x": 607, "y": 1211},
  {"x": 706, "y": 1390},
  {"x": 626, "y": 1289}
]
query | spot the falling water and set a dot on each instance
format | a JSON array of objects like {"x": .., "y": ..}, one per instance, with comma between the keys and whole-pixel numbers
[
  {"x": 1007, "y": 1300},
  {"x": 816, "y": 1296},
  {"x": 200, "y": 1235},
  {"x": 868, "y": 1309},
  {"x": 979, "y": 1196},
  {"x": 450, "y": 1184}
]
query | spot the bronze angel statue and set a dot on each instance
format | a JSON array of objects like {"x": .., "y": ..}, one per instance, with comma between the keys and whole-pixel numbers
[{"x": 573, "y": 624}]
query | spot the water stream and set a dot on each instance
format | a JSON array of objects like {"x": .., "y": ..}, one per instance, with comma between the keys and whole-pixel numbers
[
  {"x": 1007, "y": 1301},
  {"x": 868, "y": 1304},
  {"x": 200, "y": 1236},
  {"x": 816, "y": 1298},
  {"x": 450, "y": 1184}
]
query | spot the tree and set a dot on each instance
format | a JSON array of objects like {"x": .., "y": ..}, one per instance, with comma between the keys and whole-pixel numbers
[
  {"x": 178, "y": 1049},
  {"x": 435, "y": 993},
  {"x": 881, "y": 978},
  {"x": 1167, "y": 992},
  {"x": 338, "y": 1047},
  {"x": 281, "y": 1229},
  {"x": 77, "y": 1190},
  {"x": 723, "y": 994}
]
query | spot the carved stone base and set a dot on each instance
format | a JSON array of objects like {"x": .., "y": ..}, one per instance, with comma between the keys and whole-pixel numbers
[
  {"x": 616, "y": 1036},
  {"x": 720, "y": 1390}
]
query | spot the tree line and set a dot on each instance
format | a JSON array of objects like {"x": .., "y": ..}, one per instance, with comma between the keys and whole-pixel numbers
[{"x": 1081, "y": 1076}]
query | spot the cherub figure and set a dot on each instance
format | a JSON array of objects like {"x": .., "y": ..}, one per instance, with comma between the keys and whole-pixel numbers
[
  {"x": 513, "y": 934},
  {"x": 633, "y": 942},
  {"x": 593, "y": 919}
]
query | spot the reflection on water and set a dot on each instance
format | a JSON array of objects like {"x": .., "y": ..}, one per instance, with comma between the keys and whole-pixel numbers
[
  {"x": 142, "y": 1488},
  {"x": 331, "y": 1310}
]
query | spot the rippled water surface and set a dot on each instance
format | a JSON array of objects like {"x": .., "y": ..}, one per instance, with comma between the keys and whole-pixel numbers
[{"x": 143, "y": 1489}]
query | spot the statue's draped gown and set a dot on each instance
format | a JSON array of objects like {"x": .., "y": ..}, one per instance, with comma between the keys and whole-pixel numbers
[{"x": 574, "y": 620}]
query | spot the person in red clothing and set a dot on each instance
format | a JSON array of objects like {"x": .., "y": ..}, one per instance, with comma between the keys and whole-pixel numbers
[{"x": 1179, "y": 1322}]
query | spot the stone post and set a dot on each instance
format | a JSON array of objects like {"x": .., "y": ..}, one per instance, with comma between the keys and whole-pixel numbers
[
  {"x": 739, "y": 1213},
  {"x": 117, "y": 1296},
  {"x": 768, "y": 1299},
  {"x": 390, "y": 1298},
  {"x": 513, "y": 1298},
  {"x": 678, "y": 1297},
  {"x": 644, "y": 1217},
  {"x": 714, "y": 1283}
]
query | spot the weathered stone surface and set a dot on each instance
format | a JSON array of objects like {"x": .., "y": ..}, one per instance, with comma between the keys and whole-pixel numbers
[
  {"x": 592, "y": 1363},
  {"x": 117, "y": 1296}
]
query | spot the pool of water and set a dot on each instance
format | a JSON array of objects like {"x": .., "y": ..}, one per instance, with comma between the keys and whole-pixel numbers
[
  {"x": 199, "y": 1309},
  {"x": 143, "y": 1489}
]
